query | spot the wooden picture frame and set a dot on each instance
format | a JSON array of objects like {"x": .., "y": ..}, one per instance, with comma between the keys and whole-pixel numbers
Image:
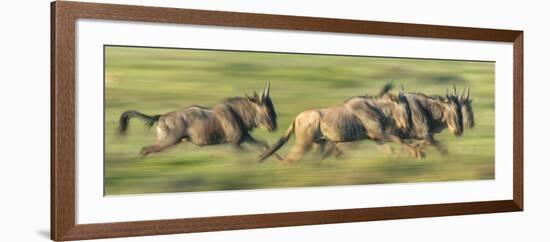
[{"x": 63, "y": 17}]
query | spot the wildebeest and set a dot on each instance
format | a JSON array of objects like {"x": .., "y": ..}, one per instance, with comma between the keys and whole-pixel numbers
[
  {"x": 388, "y": 117},
  {"x": 362, "y": 117},
  {"x": 430, "y": 115},
  {"x": 425, "y": 116},
  {"x": 227, "y": 122}
]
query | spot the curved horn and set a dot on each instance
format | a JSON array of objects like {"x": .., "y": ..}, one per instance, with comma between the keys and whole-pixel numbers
[
  {"x": 468, "y": 94},
  {"x": 266, "y": 89},
  {"x": 265, "y": 93}
]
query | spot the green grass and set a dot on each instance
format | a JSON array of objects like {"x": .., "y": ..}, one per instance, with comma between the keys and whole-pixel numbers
[{"x": 156, "y": 81}]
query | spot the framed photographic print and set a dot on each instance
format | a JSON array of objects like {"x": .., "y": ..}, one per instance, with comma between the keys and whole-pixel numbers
[{"x": 172, "y": 120}]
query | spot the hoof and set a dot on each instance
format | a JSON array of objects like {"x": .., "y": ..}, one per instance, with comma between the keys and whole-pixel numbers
[
  {"x": 144, "y": 152},
  {"x": 284, "y": 162},
  {"x": 421, "y": 155},
  {"x": 279, "y": 158}
]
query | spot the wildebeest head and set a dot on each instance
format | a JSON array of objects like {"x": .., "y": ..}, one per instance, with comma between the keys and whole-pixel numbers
[
  {"x": 265, "y": 115},
  {"x": 466, "y": 108},
  {"x": 452, "y": 114}
]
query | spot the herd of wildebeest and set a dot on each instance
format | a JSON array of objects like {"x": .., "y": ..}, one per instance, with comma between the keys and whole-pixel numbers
[{"x": 406, "y": 118}]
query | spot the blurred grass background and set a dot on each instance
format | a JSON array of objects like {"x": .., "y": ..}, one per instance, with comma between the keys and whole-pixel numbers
[{"x": 156, "y": 81}]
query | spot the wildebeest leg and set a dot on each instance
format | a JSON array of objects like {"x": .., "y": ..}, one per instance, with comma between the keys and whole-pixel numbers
[
  {"x": 385, "y": 147},
  {"x": 321, "y": 147},
  {"x": 262, "y": 145},
  {"x": 306, "y": 132},
  {"x": 338, "y": 150},
  {"x": 396, "y": 139},
  {"x": 420, "y": 146},
  {"x": 431, "y": 141},
  {"x": 170, "y": 131},
  {"x": 326, "y": 149},
  {"x": 375, "y": 131},
  {"x": 302, "y": 145},
  {"x": 330, "y": 148},
  {"x": 159, "y": 146},
  {"x": 238, "y": 147},
  {"x": 297, "y": 151}
]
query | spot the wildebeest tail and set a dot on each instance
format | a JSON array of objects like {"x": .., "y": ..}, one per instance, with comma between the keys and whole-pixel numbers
[
  {"x": 125, "y": 119},
  {"x": 278, "y": 144}
]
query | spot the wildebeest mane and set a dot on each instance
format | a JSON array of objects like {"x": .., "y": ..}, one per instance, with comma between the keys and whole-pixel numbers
[
  {"x": 386, "y": 88},
  {"x": 197, "y": 106},
  {"x": 383, "y": 92},
  {"x": 243, "y": 111}
]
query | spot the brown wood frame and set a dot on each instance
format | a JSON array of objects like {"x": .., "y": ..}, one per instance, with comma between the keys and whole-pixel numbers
[{"x": 63, "y": 18}]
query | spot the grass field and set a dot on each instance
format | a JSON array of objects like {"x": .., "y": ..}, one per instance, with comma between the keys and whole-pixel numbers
[{"x": 156, "y": 81}]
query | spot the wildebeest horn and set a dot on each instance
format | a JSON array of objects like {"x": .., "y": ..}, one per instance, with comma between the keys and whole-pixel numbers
[
  {"x": 401, "y": 94},
  {"x": 454, "y": 87},
  {"x": 265, "y": 92}
]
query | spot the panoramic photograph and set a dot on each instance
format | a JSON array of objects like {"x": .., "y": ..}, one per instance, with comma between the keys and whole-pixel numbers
[{"x": 194, "y": 120}]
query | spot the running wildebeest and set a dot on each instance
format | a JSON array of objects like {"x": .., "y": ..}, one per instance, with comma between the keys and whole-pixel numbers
[
  {"x": 430, "y": 115},
  {"x": 363, "y": 117},
  {"x": 227, "y": 122},
  {"x": 425, "y": 116},
  {"x": 426, "y": 125}
]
